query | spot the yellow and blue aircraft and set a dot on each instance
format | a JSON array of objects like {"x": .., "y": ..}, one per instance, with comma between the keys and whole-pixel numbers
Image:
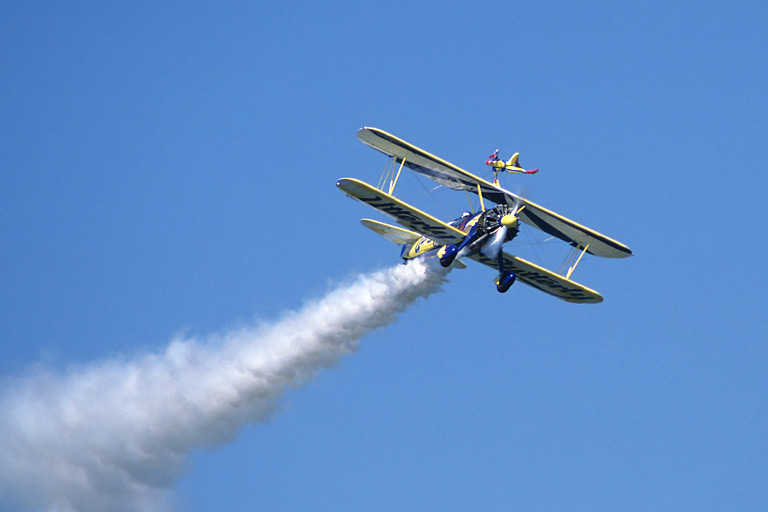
[{"x": 478, "y": 236}]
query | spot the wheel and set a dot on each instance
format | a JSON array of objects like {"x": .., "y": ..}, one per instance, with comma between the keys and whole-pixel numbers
[
  {"x": 506, "y": 280},
  {"x": 447, "y": 254}
]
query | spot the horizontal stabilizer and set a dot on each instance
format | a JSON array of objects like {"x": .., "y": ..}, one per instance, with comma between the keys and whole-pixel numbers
[
  {"x": 399, "y": 236},
  {"x": 394, "y": 234}
]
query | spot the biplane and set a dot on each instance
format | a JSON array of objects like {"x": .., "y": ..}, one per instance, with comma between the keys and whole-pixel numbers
[{"x": 481, "y": 235}]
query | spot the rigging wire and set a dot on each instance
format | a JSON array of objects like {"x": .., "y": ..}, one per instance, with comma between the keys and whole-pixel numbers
[
  {"x": 429, "y": 192},
  {"x": 530, "y": 241},
  {"x": 390, "y": 167}
]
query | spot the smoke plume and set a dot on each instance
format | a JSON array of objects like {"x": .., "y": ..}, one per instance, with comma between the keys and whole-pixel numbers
[{"x": 115, "y": 435}]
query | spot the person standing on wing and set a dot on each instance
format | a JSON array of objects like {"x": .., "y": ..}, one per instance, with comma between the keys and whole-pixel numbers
[{"x": 511, "y": 165}]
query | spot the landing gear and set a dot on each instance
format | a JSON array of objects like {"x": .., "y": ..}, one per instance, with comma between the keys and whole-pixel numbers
[
  {"x": 447, "y": 254},
  {"x": 504, "y": 281}
]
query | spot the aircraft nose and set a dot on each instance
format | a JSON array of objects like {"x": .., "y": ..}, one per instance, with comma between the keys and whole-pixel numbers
[{"x": 509, "y": 220}]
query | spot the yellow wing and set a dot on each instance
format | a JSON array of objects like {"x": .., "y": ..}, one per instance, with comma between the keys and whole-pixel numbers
[
  {"x": 456, "y": 178},
  {"x": 405, "y": 214},
  {"x": 416, "y": 220},
  {"x": 543, "y": 279}
]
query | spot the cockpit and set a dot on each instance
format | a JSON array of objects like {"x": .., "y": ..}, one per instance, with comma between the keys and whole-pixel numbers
[{"x": 461, "y": 221}]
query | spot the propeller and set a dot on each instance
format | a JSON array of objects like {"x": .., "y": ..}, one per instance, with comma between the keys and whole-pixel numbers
[{"x": 492, "y": 247}]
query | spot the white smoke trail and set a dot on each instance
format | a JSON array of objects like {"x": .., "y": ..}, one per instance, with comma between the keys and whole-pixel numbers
[{"x": 114, "y": 436}]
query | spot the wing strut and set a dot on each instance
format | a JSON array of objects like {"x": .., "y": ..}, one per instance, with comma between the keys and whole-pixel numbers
[
  {"x": 573, "y": 255},
  {"x": 385, "y": 175},
  {"x": 480, "y": 194},
  {"x": 394, "y": 180},
  {"x": 470, "y": 201}
]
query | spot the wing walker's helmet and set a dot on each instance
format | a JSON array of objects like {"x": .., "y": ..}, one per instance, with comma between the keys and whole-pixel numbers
[{"x": 493, "y": 158}]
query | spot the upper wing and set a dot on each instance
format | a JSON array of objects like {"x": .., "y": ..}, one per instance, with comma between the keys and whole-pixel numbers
[
  {"x": 543, "y": 279},
  {"x": 424, "y": 163},
  {"x": 568, "y": 230},
  {"x": 456, "y": 178},
  {"x": 406, "y": 215}
]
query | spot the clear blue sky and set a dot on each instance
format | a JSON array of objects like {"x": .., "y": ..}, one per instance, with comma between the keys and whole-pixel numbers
[{"x": 171, "y": 169}]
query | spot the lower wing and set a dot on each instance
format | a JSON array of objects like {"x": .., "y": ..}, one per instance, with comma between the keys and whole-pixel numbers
[{"x": 543, "y": 279}]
